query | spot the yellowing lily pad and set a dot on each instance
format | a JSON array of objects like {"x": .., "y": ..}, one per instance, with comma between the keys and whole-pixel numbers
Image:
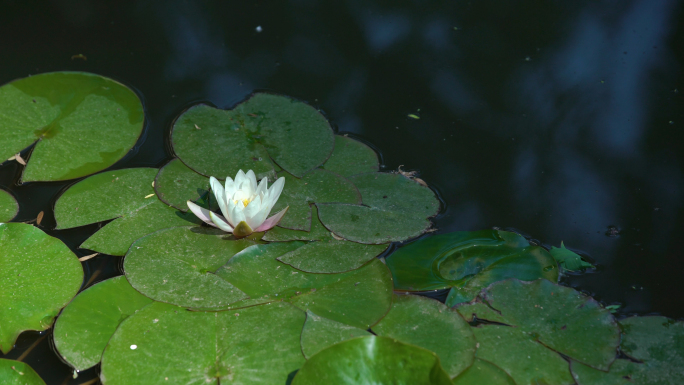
[
  {"x": 218, "y": 143},
  {"x": 483, "y": 372},
  {"x": 87, "y": 323},
  {"x": 320, "y": 332},
  {"x": 176, "y": 183},
  {"x": 8, "y": 206},
  {"x": 39, "y": 275},
  {"x": 351, "y": 157},
  {"x": 467, "y": 262},
  {"x": 372, "y": 360},
  {"x": 166, "y": 344},
  {"x": 18, "y": 373},
  {"x": 331, "y": 256},
  {"x": 177, "y": 266},
  {"x": 395, "y": 208},
  {"x": 427, "y": 323},
  {"x": 93, "y": 119}
]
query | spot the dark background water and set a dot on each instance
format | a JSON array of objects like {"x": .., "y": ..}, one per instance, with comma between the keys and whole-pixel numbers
[{"x": 561, "y": 119}]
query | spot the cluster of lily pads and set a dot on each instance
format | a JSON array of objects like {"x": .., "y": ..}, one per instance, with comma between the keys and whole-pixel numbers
[{"x": 317, "y": 299}]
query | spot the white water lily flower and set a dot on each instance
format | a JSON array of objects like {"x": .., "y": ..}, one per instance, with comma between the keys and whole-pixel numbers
[{"x": 244, "y": 205}]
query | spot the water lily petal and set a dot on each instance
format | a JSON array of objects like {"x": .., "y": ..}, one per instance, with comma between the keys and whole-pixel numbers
[
  {"x": 274, "y": 191},
  {"x": 229, "y": 214},
  {"x": 230, "y": 187},
  {"x": 201, "y": 213},
  {"x": 251, "y": 212},
  {"x": 220, "y": 222},
  {"x": 272, "y": 221},
  {"x": 219, "y": 193},
  {"x": 262, "y": 189},
  {"x": 240, "y": 179},
  {"x": 238, "y": 214},
  {"x": 252, "y": 182},
  {"x": 260, "y": 217}
]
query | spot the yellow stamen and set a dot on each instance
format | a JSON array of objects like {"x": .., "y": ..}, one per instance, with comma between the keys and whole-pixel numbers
[{"x": 244, "y": 201}]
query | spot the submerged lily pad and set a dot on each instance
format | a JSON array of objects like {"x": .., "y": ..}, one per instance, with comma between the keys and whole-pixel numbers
[
  {"x": 320, "y": 332},
  {"x": 86, "y": 324},
  {"x": 569, "y": 260},
  {"x": 483, "y": 372},
  {"x": 8, "y": 206},
  {"x": 467, "y": 262},
  {"x": 93, "y": 119},
  {"x": 358, "y": 298},
  {"x": 318, "y": 186},
  {"x": 331, "y": 256},
  {"x": 165, "y": 344},
  {"x": 351, "y": 157},
  {"x": 176, "y": 183},
  {"x": 217, "y": 142},
  {"x": 18, "y": 373},
  {"x": 395, "y": 208},
  {"x": 177, "y": 266},
  {"x": 429, "y": 324},
  {"x": 39, "y": 275},
  {"x": 372, "y": 360}
]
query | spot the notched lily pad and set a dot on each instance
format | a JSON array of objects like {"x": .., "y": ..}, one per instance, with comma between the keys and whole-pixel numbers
[
  {"x": 39, "y": 275},
  {"x": 86, "y": 324},
  {"x": 18, "y": 373},
  {"x": 483, "y": 372},
  {"x": 318, "y": 231},
  {"x": 395, "y": 208},
  {"x": 176, "y": 183},
  {"x": 331, "y": 256},
  {"x": 351, "y": 157},
  {"x": 94, "y": 119},
  {"x": 467, "y": 262},
  {"x": 320, "y": 332},
  {"x": 8, "y": 206}
]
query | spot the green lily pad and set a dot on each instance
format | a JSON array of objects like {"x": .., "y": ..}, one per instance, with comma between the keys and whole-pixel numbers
[
  {"x": 358, "y": 298},
  {"x": 479, "y": 310},
  {"x": 8, "y": 206},
  {"x": 218, "y": 143},
  {"x": 523, "y": 358},
  {"x": 318, "y": 231},
  {"x": 351, "y": 157},
  {"x": 320, "y": 332},
  {"x": 569, "y": 260},
  {"x": 331, "y": 256},
  {"x": 483, "y": 372},
  {"x": 177, "y": 266},
  {"x": 86, "y": 324},
  {"x": 93, "y": 119},
  {"x": 429, "y": 324},
  {"x": 558, "y": 317},
  {"x": 176, "y": 183},
  {"x": 372, "y": 360},
  {"x": 18, "y": 373},
  {"x": 622, "y": 372},
  {"x": 39, "y": 275},
  {"x": 467, "y": 262},
  {"x": 395, "y": 208},
  {"x": 318, "y": 186},
  {"x": 165, "y": 344}
]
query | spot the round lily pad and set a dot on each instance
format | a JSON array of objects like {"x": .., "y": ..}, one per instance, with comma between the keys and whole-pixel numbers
[
  {"x": 39, "y": 275},
  {"x": 358, "y": 298},
  {"x": 622, "y": 372},
  {"x": 483, "y": 372},
  {"x": 18, "y": 373},
  {"x": 86, "y": 324},
  {"x": 318, "y": 186},
  {"x": 166, "y": 344},
  {"x": 176, "y": 183},
  {"x": 320, "y": 332},
  {"x": 429, "y": 324},
  {"x": 8, "y": 206},
  {"x": 177, "y": 266},
  {"x": 331, "y": 256},
  {"x": 317, "y": 233},
  {"x": 351, "y": 157},
  {"x": 395, "y": 208},
  {"x": 93, "y": 119},
  {"x": 467, "y": 262},
  {"x": 559, "y": 317},
  {"x": 218, "y": 143},
  {"x": 372, "y": 360}
]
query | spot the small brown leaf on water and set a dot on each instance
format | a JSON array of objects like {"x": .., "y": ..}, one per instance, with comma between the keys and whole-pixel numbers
[
  {"x": 40, "y": 217},
  {"x": 87, "y": 257}
]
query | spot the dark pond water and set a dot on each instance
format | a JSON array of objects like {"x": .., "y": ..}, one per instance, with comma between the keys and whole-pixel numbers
[{"x": 563, "y": 120}]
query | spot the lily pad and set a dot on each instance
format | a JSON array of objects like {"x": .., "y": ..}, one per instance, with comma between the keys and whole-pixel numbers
[
  {"x": 372, "y": 360},
  {"x": 479, "y": 310},
  {"x": 18, "y": 373},
  {"x": 218, "y": 143},
  {"x": 86, "y": 324},
  {"x": 176, "y": 183},
  {"x": 93, "y": 119},
  {"x": 429, "y": 324},
  {"x": 165, "y": 344},
  {"x": 467, "y": 262},
  {"x": 331, "y": 256},
  {"x": 483, "y": 372},
  {"x": 351, "y": 157},
  {"x": 622, "y": 372},
  {"x": 358, "y": 298},
  {"x": 395, "y": 208},
  {"x": 318, "y": 186},
  {"x": 177, "y": 266},
  {"x": 558, "y": 317},
  {"x": 39, "y": 275},
  {"x": 320, "y": 332},
  {"x": 8, "y": 206},
  {"x": 569, "y": 260},
  {"x": 318, "y": 231}
]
